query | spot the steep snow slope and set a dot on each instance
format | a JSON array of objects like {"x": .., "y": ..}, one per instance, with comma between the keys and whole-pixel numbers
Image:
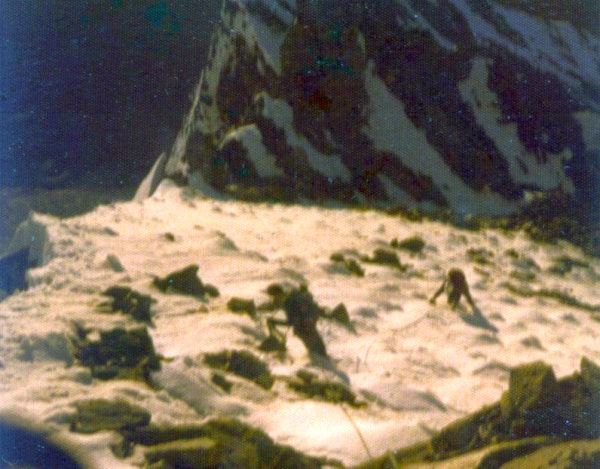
[
  {"x": 416, "y": 366},
  {"x": 460, "y": 104}
]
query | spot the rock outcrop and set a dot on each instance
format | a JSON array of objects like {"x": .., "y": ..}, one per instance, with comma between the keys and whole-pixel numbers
[
  {"x": 451, "y": 104},
  {"x": 537, "y": 411}
]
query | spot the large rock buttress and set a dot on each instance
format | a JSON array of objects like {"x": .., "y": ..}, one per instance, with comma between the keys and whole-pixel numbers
[{"x": 435, "y": 104}]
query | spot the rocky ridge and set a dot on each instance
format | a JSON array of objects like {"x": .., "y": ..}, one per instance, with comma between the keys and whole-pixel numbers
[{"x": 446, "y": 104}]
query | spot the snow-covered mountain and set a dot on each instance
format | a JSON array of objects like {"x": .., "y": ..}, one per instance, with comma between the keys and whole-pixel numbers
[
  {"x": 466, "y": 105},
  {"x": 414, "y": 367},
  {"x": 459, "y": 104}
]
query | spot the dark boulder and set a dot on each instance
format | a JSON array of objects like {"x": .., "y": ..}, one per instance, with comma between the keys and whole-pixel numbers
[
  {"x": 129, "y": 302},
  {"x": 536, "y": 411},
  {"x": 414, "y": 244},
  {"x": 242, "y": 363},
  {"x": 229, "y": 443},
  {"x": 101, "y": 414},
  {"x": 119, "y": 353},
  {"x": 241, "y": 305},
  {"x": 385, "y": 257},
  {"x": 185, "y": 282}
]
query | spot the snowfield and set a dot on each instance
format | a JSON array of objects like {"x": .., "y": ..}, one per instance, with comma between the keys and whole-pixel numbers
[{"x": 416, "y": 366}]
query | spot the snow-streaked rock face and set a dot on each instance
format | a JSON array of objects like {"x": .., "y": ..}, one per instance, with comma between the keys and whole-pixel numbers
[{"x": 441, "y": 104}]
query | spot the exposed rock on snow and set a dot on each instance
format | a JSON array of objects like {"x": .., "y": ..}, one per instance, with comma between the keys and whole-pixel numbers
[
  {"x": 414, "y": 244},
  {"x": 185, "y": 282},
  {"x": 310, "y": 385},
  {"x": 242, "y": 363},
  {"x": 100, "y": 414},
  {"x": 113, "y": 263},
  {"x": 130, "y": 302},
  {"x": 384, "y": 257},
  {"x": 346, "y": 264},
  {"x": 220, "y": 443},
  {"x": 241, "y": 305},
  {"x": 536, "y": 411},
  {"x": 118, "y": 353}
]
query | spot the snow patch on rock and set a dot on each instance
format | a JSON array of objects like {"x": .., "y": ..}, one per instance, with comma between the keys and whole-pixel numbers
[
  {"x": 524, "y": 166},
  {"x": 250, "y": 137},
  {"x": 282, "y": 115},
  {"x": 552, "y": 46},
  {"x": 391, "y": 130}
]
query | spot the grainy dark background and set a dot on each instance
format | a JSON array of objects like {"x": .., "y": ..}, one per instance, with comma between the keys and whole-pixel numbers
[{"x": 91, "y": 91}]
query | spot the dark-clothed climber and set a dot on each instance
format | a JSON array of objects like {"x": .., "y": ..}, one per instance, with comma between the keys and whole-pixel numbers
[
  {"x": 302, "y": 313},
  {"x": 455, "y": 285}
]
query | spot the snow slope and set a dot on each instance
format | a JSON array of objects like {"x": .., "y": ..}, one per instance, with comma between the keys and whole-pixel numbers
[{"x": 417, "y": 366}]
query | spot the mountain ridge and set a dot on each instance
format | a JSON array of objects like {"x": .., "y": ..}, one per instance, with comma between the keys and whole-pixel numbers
[{"x": 440, "y": 104}]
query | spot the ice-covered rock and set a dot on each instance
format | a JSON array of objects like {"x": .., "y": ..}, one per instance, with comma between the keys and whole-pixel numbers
[{"x": 152, "y": 179}]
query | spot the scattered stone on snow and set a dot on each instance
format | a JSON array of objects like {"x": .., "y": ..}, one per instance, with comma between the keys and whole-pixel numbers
[
  {"x": 155, "y": 434},
  {"x": 558, "y": 295},
  {"x": 493, "y": 366},
  {"x": 25, "y": 353},
  {"x": 224, "y": 442},
  {"x": 129, "y": 302},
  {"x": 273, "y": 343},
  {"x": 119, "y": 353},
  {"x": 221, "y": 381},
  {"x": 190, "y": 453},
  {"x": 414, "y": 244},
  {"x": 526, "y": 263},
  {"x": 108, "y": 231},
  {"x": 185, "y": 282},
  {"x": 563, "y": 265},
  {"x": 113, "y": 263},
  {"x": 348, "y": 263},
  {"x": 310, "y": 385},
  {"x": 385, "y": 257},
  {"x": 340, "y": 315},
  {"x": 101, "y": 414},
  {"x": 523, "y": 275},
  {"x": 512, "y": 253},
  {"x": 242, "y": 363},
  {"x": 568, "y": 317},
  {"x": 241, "y": 305},
  {"x": 532, "y": 342},
  {"x": 480, "y": 255}
]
